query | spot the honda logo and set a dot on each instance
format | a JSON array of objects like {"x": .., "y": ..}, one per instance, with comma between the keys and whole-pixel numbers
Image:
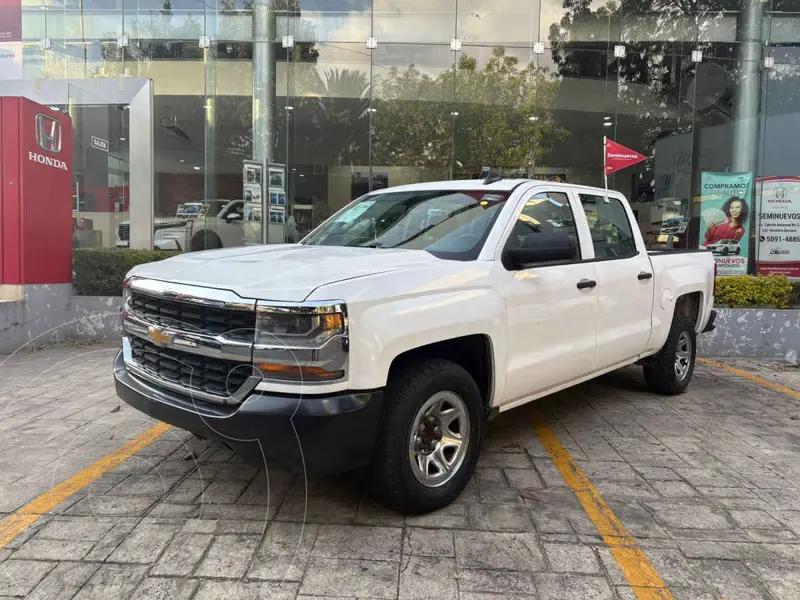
[{"x": 48, "y": 133}]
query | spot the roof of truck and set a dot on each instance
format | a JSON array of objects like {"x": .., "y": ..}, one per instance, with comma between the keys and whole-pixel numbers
[{"x": 502, "y": 185}]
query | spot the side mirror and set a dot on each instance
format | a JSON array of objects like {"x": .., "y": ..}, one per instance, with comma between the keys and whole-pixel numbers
[
  {"x": 234, "y": 216},
  {"x": 542, "y": 248}
]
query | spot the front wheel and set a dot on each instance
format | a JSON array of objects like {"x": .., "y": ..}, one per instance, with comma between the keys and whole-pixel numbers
[
  {"x": 428, "y": 442},
  {"x": 671, "y": 369},
  {"x": 205, "y": 240}
]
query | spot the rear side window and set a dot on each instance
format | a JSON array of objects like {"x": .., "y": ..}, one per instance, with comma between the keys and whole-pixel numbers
[{"x": 612, "y": 234}]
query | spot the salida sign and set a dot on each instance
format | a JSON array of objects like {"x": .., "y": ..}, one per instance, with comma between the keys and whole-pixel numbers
[{"x": 36, "y": 194}]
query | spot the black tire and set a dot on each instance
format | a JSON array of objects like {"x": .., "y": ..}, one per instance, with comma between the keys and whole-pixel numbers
[
  {"x": 390, "y": 475},
  {"x": 206, "y": 240},
  {"x": 661, "y": 374},
  {"x": 725, "y": 251}
]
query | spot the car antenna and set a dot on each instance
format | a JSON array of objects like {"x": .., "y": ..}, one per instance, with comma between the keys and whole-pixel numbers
[{"x": 489, "y": 177}]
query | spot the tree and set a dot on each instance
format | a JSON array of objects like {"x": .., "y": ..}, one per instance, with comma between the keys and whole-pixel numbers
[
  {"x": 335, "y": 114},
  {"x": 499, "y": 116},
  {"x": 652, "y": 78}
]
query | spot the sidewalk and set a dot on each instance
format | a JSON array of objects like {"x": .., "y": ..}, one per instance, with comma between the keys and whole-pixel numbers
[{"x": 707, "y": 483}]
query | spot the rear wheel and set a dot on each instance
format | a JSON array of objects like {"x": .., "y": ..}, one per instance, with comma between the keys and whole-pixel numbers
[
  {"x": 671, "y": 369},
  {"x": 428, "y": 443}
]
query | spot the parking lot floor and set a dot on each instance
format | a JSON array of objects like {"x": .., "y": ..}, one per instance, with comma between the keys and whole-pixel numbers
[{"x": 701, "y": 491}]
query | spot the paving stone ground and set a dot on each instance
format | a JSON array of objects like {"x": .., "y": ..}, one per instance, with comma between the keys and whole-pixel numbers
[{"x": 707, "y": 483}]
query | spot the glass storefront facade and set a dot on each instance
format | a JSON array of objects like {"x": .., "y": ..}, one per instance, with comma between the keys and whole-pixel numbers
[{"x": 338, "y": 97}]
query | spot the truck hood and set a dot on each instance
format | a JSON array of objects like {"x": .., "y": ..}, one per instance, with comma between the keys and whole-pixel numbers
[{"x": 280, "y": 272}]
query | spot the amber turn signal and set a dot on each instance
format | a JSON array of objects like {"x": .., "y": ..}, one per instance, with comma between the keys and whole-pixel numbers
[{"x": 298, "y": 373}]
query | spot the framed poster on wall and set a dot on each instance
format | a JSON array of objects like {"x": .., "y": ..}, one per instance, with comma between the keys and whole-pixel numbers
[{"x": 253, "y": 196}]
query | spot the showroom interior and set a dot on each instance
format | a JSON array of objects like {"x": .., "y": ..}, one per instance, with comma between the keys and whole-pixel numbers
[{"x": 346, "y": 96}]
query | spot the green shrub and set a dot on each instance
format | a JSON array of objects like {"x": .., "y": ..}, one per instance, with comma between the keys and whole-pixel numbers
[
  {"x": 769, "y": 291},
  {"x": 99, "y": 272}
]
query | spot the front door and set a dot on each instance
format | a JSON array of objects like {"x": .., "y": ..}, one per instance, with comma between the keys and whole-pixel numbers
[
  {"x": 625, "y": 282},
  {"x": 551, "y": 308}
]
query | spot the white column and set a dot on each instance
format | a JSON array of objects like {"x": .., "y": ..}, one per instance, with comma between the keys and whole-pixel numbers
[{"x": 142, "y": 168}]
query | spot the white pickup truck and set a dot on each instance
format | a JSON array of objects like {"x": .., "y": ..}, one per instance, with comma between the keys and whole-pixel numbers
[{"x": 389, "y": 335}]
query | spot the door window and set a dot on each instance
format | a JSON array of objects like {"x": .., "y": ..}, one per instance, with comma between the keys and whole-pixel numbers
[
  {"x": 546, "y": 213},
  {"x": 612, "y": 234}
]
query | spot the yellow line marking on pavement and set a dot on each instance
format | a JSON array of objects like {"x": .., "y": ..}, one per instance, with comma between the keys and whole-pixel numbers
[
  {"x": 755, "y": 378},
  {"x": 642, "y": 576},
  {"x": 15, "y": 524}
]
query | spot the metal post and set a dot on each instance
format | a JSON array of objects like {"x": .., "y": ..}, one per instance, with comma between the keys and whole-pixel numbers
[
  {"x": 745, "y": 100},
  {"x": 745, "y": 124},
  {"x": 263, "y": 93},
  {"x": 210, "y": 122}
]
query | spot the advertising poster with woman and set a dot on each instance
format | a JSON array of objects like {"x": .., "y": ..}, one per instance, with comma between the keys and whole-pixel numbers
[{"x": 724, "y": 219}]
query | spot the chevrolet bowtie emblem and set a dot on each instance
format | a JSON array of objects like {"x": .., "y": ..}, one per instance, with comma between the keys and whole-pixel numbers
[{"x": 157, "y": 335}]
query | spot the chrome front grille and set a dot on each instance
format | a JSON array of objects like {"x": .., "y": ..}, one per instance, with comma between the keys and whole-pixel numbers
[
  {"x": 235, "y": 324},
  {"x": 195, "y": 372},
  {"x": 194, "y": 341}
]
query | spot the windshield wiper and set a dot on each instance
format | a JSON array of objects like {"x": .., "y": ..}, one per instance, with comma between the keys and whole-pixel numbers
[{"x": 374, "y": 245}]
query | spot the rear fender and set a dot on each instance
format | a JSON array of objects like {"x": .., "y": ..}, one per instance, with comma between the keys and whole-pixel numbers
[{"x": 672, "y": 283}]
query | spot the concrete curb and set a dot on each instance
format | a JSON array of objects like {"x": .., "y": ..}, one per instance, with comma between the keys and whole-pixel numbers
[
  {"x": 44, "y": 314},
  {"x": 753, "y": 333}
]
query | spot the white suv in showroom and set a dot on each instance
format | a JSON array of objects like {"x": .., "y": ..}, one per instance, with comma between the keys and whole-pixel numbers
[{"x": 217, "y": 224}]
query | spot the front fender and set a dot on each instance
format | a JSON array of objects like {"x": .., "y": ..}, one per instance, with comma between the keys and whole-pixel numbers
[
  {"x": 397, "y": 326},
  {"x": 392, "y": 313}
]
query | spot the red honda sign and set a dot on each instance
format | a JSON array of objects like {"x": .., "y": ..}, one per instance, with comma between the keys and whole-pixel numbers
[
  {"x": 36, "y": 194},
  {"x": 618, "y": 157}
]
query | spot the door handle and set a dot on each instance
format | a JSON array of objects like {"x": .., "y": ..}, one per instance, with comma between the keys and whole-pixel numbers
[
  {"x": 586, "y": 284},
  {"x": 644, "y": 275}
]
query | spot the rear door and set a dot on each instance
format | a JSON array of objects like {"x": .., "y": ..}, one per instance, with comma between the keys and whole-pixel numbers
[
  {"x": 551, "y": 307},
  {"x": 625, "y": 280}
]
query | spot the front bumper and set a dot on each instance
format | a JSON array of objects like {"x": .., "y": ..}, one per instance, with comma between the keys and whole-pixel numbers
[{"x": 315, "y": 433}]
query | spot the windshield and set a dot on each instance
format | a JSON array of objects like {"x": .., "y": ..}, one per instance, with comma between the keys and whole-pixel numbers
[{"x": 449, "y": 224}]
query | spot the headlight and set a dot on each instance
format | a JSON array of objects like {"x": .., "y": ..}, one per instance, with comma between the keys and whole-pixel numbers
[
  {"x": 126, "y": 292},
  {"x": 301, "y": 343}
]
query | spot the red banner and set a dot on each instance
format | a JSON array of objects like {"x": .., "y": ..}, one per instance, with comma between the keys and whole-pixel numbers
[
  {"x": 10, "y": 20},
  {"x": 619, "y": 157}
]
